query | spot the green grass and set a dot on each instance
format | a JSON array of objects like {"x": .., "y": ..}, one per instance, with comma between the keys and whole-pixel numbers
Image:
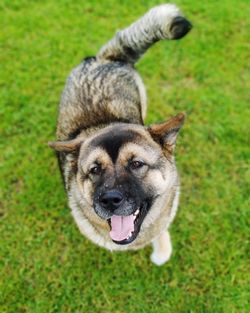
[{"x": 45, "y": 264}]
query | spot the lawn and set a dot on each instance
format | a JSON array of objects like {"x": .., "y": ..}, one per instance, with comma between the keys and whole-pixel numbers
[{"x": 45, "y": 264}]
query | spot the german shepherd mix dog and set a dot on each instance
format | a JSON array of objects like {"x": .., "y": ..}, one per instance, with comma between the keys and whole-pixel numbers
[{"x": 120, "y": 175}]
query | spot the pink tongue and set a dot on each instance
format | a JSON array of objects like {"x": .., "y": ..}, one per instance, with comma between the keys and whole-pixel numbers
[{"x": 121, "y": 226}]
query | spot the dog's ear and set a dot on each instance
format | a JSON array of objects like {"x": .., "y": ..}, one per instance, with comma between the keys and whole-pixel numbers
[
  {"x": 66, "y": 146},
  {"x": 166, "y": 133}
]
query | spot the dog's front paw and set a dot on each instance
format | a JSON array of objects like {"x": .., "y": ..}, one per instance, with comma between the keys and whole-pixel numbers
[
  {"x": 162, "y": 249},
  {"x": 160, "y": 259}
]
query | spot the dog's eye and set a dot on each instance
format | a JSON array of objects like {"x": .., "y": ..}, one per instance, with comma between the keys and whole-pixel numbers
[
  {"x": 134, "y": 165},
  {"x": 95, "y": 170}
]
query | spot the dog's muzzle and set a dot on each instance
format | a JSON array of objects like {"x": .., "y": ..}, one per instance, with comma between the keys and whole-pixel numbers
[{"x": 123, "y": 215}]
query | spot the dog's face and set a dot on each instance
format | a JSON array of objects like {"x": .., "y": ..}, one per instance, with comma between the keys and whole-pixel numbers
[{"x": 121, "y": 172}]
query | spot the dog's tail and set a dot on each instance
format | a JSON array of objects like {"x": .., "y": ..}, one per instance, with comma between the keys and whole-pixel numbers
[{"x": 161, "y": 22}]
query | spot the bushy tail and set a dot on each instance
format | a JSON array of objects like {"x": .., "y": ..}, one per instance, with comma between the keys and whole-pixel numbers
[{"x": 161, "y": 22}]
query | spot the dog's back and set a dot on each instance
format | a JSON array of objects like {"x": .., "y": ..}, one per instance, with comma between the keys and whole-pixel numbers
[{"x": 106, "y": 88}]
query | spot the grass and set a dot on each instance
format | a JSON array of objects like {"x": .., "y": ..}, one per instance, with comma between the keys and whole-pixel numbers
[{"x": 45, "y": 264}]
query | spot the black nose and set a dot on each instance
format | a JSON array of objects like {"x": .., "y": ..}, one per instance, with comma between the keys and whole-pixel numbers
[{"x": 111, "y": 199}]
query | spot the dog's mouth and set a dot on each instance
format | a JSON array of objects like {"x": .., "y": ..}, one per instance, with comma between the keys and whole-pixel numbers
[{"x": 125, "y": 229}]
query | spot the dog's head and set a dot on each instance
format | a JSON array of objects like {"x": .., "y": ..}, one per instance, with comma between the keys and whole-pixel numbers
[{"x": 121, "y": 170}]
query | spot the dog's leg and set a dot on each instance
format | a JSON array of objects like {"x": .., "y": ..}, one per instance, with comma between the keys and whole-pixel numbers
[{"x": 162, "y": 249}]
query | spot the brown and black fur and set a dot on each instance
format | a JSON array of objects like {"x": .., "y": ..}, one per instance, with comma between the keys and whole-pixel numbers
[{"x": 101, "y": 116}]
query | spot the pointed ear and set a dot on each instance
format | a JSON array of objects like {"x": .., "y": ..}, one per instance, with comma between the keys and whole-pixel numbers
[
  {"x": 166, "y": 133},
  {"x": 66, "y": 146}
]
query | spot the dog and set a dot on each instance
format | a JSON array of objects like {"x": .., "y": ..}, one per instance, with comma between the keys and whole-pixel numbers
[{"x": 120, "y": 175}]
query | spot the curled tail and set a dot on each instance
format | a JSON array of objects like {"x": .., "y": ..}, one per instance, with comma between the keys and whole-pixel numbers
[{"x": 161, "y": 22}]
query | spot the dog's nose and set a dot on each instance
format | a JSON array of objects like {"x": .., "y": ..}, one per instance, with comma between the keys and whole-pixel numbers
[{"x": 111, "y": 199}]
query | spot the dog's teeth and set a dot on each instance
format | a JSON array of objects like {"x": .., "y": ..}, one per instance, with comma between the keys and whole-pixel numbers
[
  {"x": 136, "y": 212},
  {"x": 129, "y": 235}
]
